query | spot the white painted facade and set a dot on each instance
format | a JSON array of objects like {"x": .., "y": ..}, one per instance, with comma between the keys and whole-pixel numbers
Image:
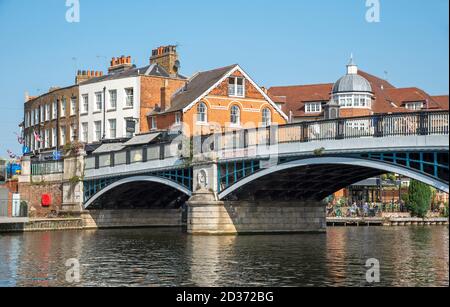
[{"x": 123, "y": 111}]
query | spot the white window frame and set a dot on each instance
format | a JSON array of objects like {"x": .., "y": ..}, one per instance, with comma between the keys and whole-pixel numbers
[
  {"x": 129, "y": 99},
  {"x": 235, "y": 116},
  {"x": 73, "y": 106},
  {"x": 313, "y": 107},
  {"x": 416, "y": 106},
  {"x": 98, "y": 103},
  {"x": 85, "y": 132},
  {"x": 202, "y": 113},
  {"x": 153, "y": 123},
  {"x": 110, "y": 130},
  {"x": 233, "y": 88},
  {"x": 266, "y": 117},
  {"x": 63, "y": 135},
  {"x": 97, "y": 132},
  {"x": 54, "y": 110},
  {"x": 54, "y": 137},
  {"x": 111, "y": 106},
  {"x": 63, "y": 107},
  {"x": 85, "y": 104}
]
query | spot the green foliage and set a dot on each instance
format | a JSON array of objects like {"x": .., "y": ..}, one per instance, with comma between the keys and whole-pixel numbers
[
  {"x": 419, "y": 198},
  {"x": 319, "y": 151}
]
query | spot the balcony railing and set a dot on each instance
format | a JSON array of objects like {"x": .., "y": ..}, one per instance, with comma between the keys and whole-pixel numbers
[{"x": 47, "y": 168}]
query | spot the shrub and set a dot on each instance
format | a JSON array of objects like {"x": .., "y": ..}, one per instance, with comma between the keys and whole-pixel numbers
[{"x": 419, "y": 198}]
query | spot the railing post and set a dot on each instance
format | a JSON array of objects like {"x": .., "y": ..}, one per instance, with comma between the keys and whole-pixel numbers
[
  {"x": 112, "y": 160},
  {"x": 340, "y": 129},
  {"x": 246, "y": 138},
  {"x": 161, "y": 152},
  {"x": 128, "y": 157},
  {"x": 378, "y": 126},
  {"x": 304, "y": 136},
  {"x": 423, "y": 123},
  {"x": 97, "y": 161},
  {"x": 144, "y": 154}
]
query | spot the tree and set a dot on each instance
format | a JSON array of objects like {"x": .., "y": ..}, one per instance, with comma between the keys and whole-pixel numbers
[{"x": 419, "y": 198}]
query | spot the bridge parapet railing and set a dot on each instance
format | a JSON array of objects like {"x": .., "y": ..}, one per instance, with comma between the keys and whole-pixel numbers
[{"x": 376, "y": 126}]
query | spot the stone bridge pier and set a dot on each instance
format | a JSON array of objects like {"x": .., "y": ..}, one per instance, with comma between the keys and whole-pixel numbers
[{"x": 208, "y": 215}]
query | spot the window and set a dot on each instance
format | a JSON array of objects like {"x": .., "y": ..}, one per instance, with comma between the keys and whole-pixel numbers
[
  {"x": 47, "y": 112},
  {"x": 36, "y": 116},
  {"x": 353, "y": 100},
  {"x": 112, "y": 128},
  {"x": 54, "y": 110},
  {"x": 129, "y": 92},
  {"x": 113, "y": 99},
  {"x": 202, "y": 111},
  {"x": 63, "y": 135},
  {"x": 236, "y": 87},
  {"x": 63, "y": 107},
  {"x": 235, "y": 115},
  {"x": 154, "y": 123},
  {"x": 97, "y": 131},
  {"x": 415, "y": 105},
  {"x": 85, "y": 108},
  {"x": 54, "y": 137},
  {"x": 177, "y": 118},
  {"x": 266, "y": 117},
  {"x": 73, "y": 106},
  {"x": 72, "y": 133},
  {"x": 47, "y": 138},
  {"x": 84, "y": 132},
  {"x": 314, "y": 107},
  {"x": 98, "y": 101},
  {"x": 42, "y": 115}
]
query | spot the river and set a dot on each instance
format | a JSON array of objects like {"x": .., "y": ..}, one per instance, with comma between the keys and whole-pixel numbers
[{"x": 408, "y": 256}]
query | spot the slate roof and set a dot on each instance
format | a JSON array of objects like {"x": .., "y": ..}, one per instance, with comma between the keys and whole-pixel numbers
[
  {"x": 150, "y": 70},
  {"x": 196, "y": 86}
]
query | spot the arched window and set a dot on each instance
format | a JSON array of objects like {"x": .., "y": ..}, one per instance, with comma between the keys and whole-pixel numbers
[
  {"x": 235, "y": 115},
  {"x": 266, "y": 117},
  {"x": 202, "y": 113}
]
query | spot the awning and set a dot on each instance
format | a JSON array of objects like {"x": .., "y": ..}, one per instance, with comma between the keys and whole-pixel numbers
[
  {"x": 142, "y": 139},
  {"x": 105, "y": 148}
]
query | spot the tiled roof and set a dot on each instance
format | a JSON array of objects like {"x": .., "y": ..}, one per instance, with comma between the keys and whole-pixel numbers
[
  {"x": 296, "y": 96},
  {"x": 442, "y": 101},
  {"x": 387, "y": 98}
]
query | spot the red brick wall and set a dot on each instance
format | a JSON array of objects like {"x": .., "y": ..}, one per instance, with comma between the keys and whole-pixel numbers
[
  {"x": 151, "y": 96},
  {"x": 33, "y": 195}
]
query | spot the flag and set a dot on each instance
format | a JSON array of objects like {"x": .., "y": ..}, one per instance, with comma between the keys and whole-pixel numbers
[
  {"x": 37, "y": 137},
  {"x": 20, "y": 139}
]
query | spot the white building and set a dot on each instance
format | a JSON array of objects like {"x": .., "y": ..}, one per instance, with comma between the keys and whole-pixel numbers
[{"x": 110, "y": 106}]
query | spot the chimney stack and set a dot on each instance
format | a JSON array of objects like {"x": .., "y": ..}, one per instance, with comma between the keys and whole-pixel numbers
[
  {"x": 166, "y": 57},
  {"x": 87, "y": 75},
  {"x": 120, "y": 64}
]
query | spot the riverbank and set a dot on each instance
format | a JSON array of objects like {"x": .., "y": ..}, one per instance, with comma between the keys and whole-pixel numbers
[
  {"x": 110, "y": 221},
  {"x": 387, "y": 222}
]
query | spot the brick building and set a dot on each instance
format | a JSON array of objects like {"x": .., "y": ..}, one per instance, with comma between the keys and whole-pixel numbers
[
  {"x": 54, "y": 117},
  {"x": 221, "y": 99},
  {"x": 356, "y": 94},
  {"x": 114, "y": 106}
]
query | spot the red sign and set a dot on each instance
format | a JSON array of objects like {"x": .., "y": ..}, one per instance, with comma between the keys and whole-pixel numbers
[{"x": 46, "y": 200}]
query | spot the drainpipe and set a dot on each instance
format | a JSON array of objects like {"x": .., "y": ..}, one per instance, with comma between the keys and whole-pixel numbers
[{"x": 104, "y": 113}]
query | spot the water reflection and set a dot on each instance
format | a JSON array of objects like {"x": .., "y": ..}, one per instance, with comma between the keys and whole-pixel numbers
[{"x": 409, "y": 256}]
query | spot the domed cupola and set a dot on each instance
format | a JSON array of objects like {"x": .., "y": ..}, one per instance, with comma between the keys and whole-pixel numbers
[{"x": 352, "y": 90}]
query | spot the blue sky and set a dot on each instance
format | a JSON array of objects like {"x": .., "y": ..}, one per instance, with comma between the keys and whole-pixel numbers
[{"x": 279, "y": 42}]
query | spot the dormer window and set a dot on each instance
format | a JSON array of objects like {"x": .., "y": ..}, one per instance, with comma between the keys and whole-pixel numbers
[
  {"x": 419, "y": 105},
  {"x": 313, "y": 107},
  {"x": 236, "y": 87}
]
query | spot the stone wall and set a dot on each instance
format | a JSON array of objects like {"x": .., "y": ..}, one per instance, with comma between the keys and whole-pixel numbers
[
  {"x": 255, "y": 217},
  {"x": 132, "y": 218},
  {"x": 32, "y": 194}
]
